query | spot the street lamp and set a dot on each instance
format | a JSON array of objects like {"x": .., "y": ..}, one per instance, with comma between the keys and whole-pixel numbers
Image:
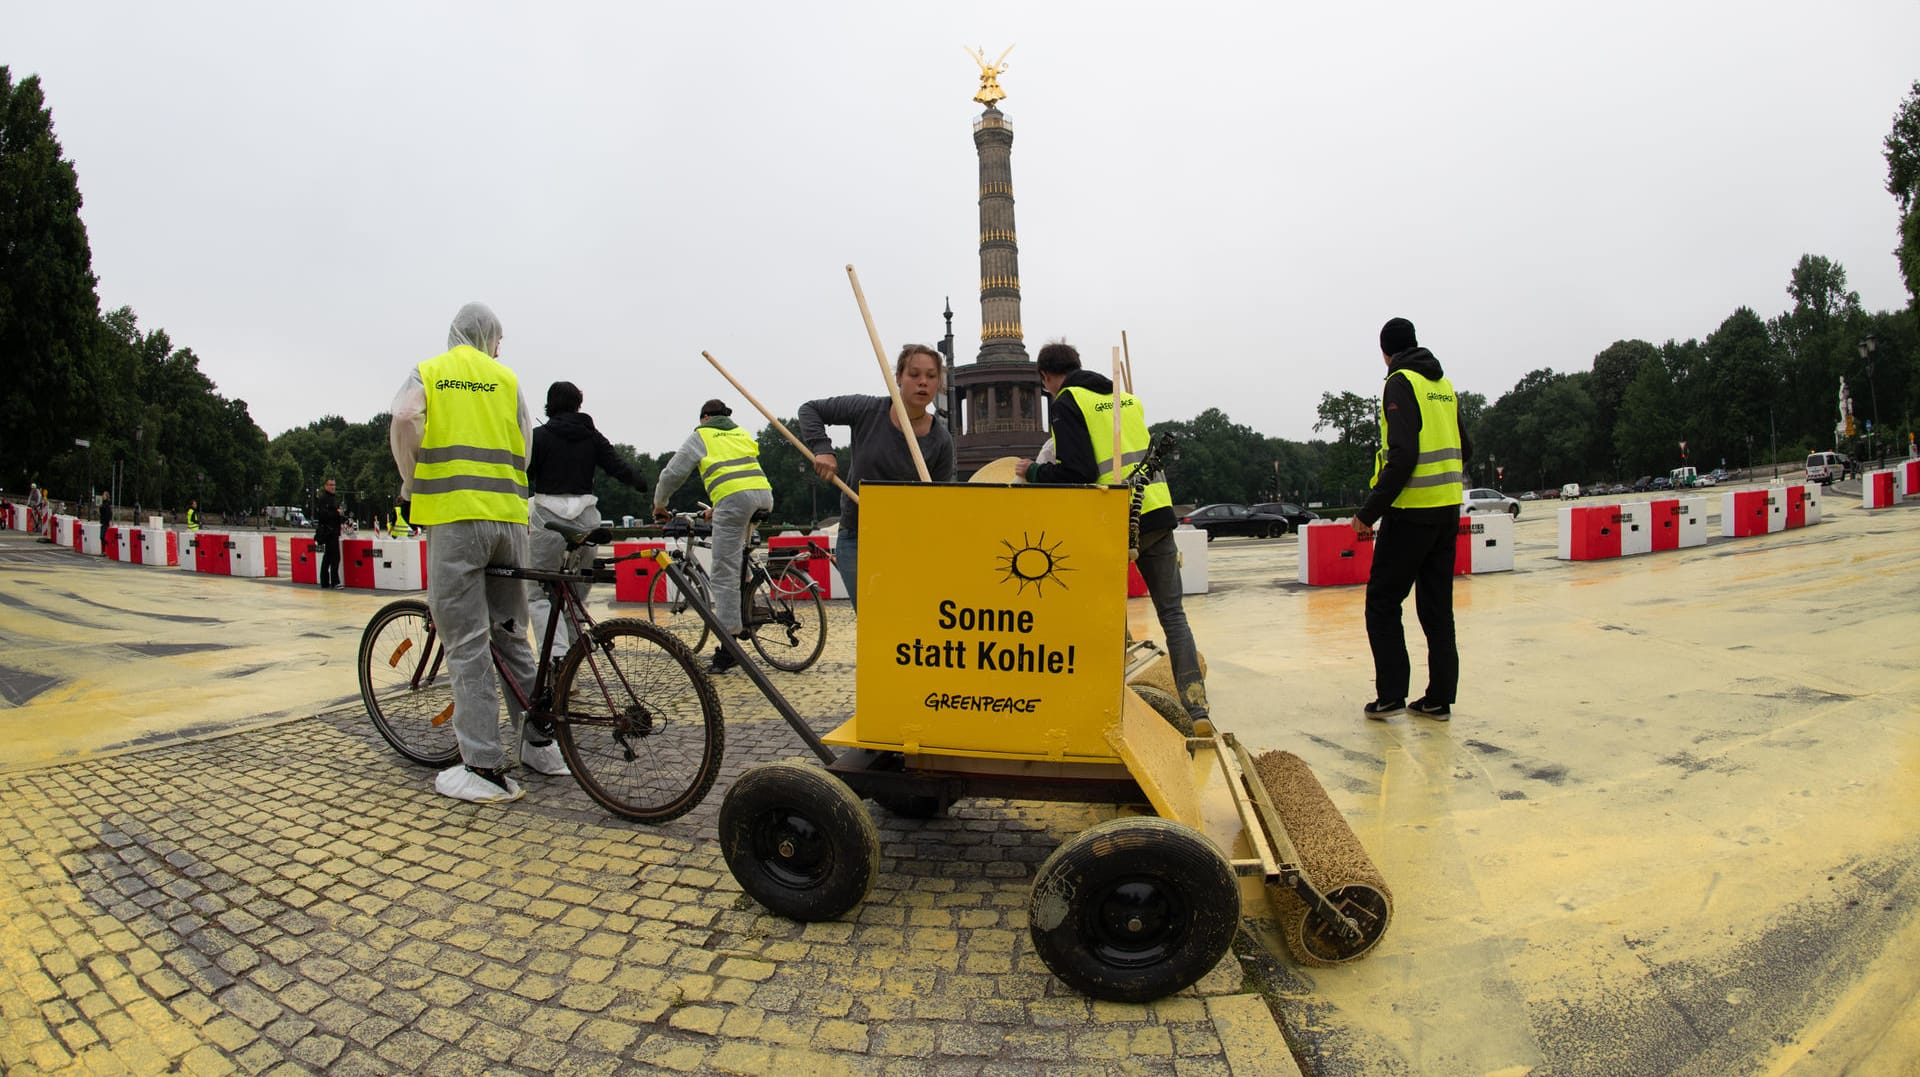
[{"x": 1867, "y": 347}]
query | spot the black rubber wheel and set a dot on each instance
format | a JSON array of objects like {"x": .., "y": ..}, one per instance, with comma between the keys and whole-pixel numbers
[
  {"x": 1514, "y": 510},
  {"x": 1165, "y": 706},
  {"x": 677, "y": 616},
  {"x": 406, "y": 686},
  {"x": 638, "y": 721},
  {"x": 799, "y": 841},
  {"x": 788, "y": 621},
  {"x": 1134, "y": 909}
]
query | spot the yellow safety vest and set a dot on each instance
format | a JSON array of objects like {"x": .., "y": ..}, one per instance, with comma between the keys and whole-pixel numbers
[
  {"x": 1097, "y": 410},
  {"x": 732, "y": 463},
  {"x": 193, "y": 519},
  {"x": 472, "y": 463},
  {"x": 1437, "y": 480},
  {"x": 400, "y": 518}
]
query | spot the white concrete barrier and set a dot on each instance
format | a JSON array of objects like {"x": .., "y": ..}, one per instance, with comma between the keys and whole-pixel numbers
[
  {"x": 1192, "y": 544},
  {"x": 399, "y": 564},
  {"x": 1485, "y": 544},
  {"x": 1879, "y": 490},
  {"x": 89, "y": 537}
]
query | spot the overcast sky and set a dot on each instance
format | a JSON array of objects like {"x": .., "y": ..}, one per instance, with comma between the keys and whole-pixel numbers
[{"x": 305, "y": 194}]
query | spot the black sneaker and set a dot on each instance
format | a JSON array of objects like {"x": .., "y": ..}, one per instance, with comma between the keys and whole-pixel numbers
[
  {"x": 722, "y": 661},
  {"x": 1439, "y": 712},
  {"x": 1380, "y": 708}
]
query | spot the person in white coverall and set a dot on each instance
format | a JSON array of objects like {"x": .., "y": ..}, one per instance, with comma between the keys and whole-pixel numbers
[{"x": 460, "y": 436}]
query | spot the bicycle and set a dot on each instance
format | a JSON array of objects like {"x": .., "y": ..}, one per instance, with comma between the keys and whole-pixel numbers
[
  {"x": 783, "y": 614},
  {"x": 628, "y": 702}
]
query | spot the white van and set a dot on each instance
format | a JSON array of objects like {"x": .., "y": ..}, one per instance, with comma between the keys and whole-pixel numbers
[{"x": 1825, "y": 467}]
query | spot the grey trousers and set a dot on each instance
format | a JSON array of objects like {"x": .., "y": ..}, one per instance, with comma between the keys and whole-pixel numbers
[
  {"x": 1159, "y": 564},
  {"x": 731, "y": 519},
  {"x": 469, "y": 607},
  {"x": 546, "y": 549}
]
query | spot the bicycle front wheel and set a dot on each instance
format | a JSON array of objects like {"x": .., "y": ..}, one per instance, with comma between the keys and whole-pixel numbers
[
  {"x": 638, "y": 721},
  {"x": 788, "y": 621},
  {"x": 406, "y": 686},
  {"x": 676, "y": 615}
]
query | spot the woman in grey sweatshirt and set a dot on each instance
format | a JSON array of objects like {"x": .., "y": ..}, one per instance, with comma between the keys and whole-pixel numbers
[{"x": 879, "y": 451}]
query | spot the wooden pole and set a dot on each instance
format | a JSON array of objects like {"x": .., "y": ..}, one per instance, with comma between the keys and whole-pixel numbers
[
  {"x": 893, "y": 387},
  {"x": 1128, "y": 355},
  {"x": 777, "y": 424},
  {"x": 1116, "y": 417}
]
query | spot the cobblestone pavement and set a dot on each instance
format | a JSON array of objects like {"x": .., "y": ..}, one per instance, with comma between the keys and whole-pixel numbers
[{"x": 296, "y": 899}]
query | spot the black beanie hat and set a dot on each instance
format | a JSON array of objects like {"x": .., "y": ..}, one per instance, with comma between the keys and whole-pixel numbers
[
  {"x": 714, "y": 407},
  {"x": 1397, "y": 336}
]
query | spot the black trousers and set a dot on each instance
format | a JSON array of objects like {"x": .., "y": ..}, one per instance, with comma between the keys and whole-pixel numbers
[
  {"x": 329, "y": 561},
  {"x": 1417, "y": 555}
]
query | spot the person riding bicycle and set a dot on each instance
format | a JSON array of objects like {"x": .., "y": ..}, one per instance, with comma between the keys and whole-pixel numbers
[
  {"x": 728, "y": 459},
  {"x": 460, "y": 437},
  {"x": 566, "y": 449}
]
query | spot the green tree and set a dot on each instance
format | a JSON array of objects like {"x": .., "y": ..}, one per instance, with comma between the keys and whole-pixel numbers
[
  {"x": 49, "y": 312},
  {"x": 1902, "y": 151},
  {"x": 1348, "y": 464}
]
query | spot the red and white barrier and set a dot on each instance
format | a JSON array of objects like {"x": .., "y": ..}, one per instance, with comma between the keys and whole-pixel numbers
[
  {"x": 1907, "y": 479},
  {"x": 207, "y": 553},
  {"x": 89, "y": 536},
  {"x": 253, "y": 555},
  {"x": 1743, "y": 513},
  {"x": 110, "y": 544},
  {"x": 1879, "y": 490},
  {"x": 303, "y": 560},
  {"x": 356, "y": 563},
  {"x": 1589, "y": 532},
  {"x": 399, "y": 564},
  {"x": 157, "y": 547},
  {"x": 633, "y": 579},
  {"x": 1485, "y": 544},
  {"x": 12, "y": 516},
  {"x": 1332, "y": 555},
  {"x": 825, "y": 573}
]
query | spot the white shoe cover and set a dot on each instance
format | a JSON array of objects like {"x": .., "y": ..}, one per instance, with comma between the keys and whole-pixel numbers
[
  {"x": 462, "y": 784},
  {"x": 545, "y": 758}
]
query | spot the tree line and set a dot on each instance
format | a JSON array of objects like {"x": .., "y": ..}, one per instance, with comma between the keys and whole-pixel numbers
[{"x": 96, "y": 402}]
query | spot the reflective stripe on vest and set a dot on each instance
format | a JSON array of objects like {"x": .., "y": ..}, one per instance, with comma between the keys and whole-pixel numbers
[
  {"x": 193, "y": 519},
  {"x": 1097, "y": 410},
  {"x": 472, "y": 464},
  {"x": 1437, "y": 480},
  {"x": 732, "y": 463}
]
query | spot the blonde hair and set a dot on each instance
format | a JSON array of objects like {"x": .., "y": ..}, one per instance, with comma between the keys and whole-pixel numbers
[{"x": 906, "y": 356}]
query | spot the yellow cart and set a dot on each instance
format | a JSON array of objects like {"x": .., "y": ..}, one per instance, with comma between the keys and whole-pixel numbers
[{"x": 993, "y": 661}]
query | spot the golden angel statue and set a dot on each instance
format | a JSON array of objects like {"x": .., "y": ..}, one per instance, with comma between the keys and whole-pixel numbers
[{"x": 990, "y": 91}]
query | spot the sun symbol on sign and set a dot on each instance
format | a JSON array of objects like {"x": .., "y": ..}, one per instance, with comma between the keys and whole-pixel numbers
[{"x": 1033, "y": 562}]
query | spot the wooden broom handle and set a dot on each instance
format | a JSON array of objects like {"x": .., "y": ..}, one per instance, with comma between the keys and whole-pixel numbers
[
  {"x": 777, "y": 424},
  {"x": 893, "y": 387},
  {"x": 1117, "y": 480},
  {"x": 1128, "y": 354}
]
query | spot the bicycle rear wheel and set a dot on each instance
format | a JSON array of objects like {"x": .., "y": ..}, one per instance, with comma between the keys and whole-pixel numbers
[
  {"x": 638, "y": 722},
  {"x": 789, "y": 621},
  {"x": 406, "y": 686},
  {"x": 676, "y": 615}
]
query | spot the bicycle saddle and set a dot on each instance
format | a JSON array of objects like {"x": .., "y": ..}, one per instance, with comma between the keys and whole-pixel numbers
[{"x": 599, "y": 536}]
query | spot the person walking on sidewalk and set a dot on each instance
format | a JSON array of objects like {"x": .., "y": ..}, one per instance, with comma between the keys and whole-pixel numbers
[
  {"x": 1418, "y": 478},
  {"x": 326, "y": 535},
  {"x": 728, "y": 459},
  {"x": 566, "y": 449},
  {"x": 1083, "y": 454},
  {"x": 460, "y": 437}
]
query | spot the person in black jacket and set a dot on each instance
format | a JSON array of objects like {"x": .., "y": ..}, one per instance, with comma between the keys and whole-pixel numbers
[
  {"x": 326, "y": 533},
  {"x": 1417, "y": 490},
  {"x": 1075, "y": 462},
  {"x": 566, "y": 449}
]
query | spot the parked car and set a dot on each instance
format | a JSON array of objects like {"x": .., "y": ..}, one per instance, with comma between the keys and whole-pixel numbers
[
  {"x": 1642, "y": 484},
  {"x": 1720, "y": 474},
  {"x": 1661, "y": 483},
  {"x": 1489, "y": 500},
  {"x": 1826, "y": 467},
  {"x": 1529, "y": 495},
  {"x": 1298, "y": 516},
  {"x": 1236, "y": 520},
  {"x": 1570, "y": 491}
]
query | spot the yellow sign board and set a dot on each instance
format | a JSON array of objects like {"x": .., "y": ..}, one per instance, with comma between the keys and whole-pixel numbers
[{"x": 992, "y": 620}]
